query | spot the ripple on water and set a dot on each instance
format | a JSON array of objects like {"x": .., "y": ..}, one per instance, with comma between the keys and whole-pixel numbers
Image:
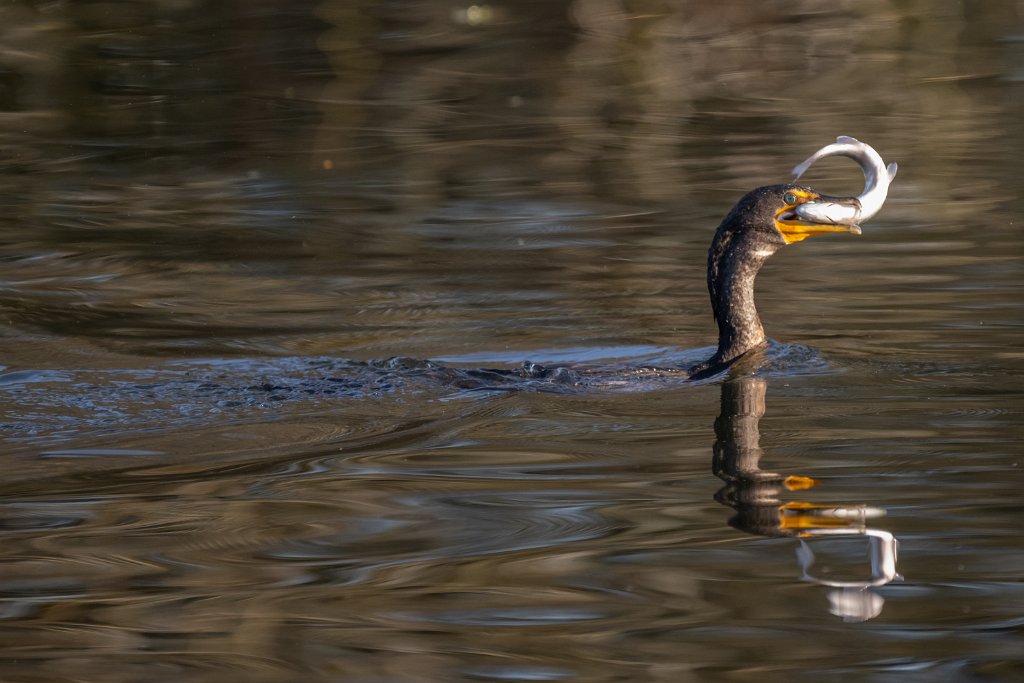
[
  {"x": 46, "y": 406},
  {"x": 425, "y": 528}
]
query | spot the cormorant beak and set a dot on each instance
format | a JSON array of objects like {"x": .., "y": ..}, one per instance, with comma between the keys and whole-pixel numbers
[{"x": 818, "y": 216}]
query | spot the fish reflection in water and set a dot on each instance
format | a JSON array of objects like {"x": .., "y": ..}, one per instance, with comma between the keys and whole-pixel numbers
[{"x": 756, "y": 496}]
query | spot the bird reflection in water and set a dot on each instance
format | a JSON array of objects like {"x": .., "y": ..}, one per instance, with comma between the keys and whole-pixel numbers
[{"x": 757, "y": 497}]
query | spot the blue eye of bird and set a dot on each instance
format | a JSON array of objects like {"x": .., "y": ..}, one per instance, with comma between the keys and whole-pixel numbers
[{"x": 790, "y": 198}]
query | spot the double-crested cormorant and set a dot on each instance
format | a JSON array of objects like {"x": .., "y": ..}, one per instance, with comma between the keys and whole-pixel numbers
[{"x": 766, "y": 219}]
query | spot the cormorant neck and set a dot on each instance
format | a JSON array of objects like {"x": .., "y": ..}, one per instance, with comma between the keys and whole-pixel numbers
[
  {"x": 734, "y": 259},
  {"x": 732, "y": 302}
]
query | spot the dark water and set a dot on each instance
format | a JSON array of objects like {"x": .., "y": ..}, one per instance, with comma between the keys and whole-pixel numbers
[{"x": 234, "y": 233}]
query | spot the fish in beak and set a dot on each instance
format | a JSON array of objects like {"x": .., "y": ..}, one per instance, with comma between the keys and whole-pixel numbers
[
  {"x": 794, "y": 226},
  {"x": 850, "y": 211}
]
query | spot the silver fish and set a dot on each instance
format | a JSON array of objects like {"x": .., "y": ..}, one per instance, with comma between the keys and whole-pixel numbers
[{"x": 877, "y": 177}]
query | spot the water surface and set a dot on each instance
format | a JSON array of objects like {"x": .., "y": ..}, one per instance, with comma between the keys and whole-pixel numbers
[{"x": 234, "y": 237}]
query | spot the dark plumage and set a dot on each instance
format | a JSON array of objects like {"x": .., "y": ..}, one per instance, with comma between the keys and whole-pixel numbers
[{"x": 760, "y": 223}]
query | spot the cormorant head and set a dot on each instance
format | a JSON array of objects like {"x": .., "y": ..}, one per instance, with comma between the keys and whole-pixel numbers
[
  {"x": 767, "y": 218},
  {"x": 772, "y": 210}
]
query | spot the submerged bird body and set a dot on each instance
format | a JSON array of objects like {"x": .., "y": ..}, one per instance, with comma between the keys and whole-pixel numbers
[{"x": 762, "y": 221}]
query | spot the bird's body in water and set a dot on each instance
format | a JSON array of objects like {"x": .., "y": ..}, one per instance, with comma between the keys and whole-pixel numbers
[
  {"x": 763, "y": 221},
  {"x": 77, "y": 402}
]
